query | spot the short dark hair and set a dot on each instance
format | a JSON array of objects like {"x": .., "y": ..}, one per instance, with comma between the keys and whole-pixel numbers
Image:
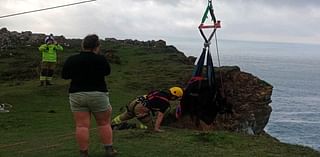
[{"x": 90, "y": 42}]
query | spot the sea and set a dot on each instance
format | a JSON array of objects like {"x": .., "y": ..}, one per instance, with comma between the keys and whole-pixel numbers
[{"x": 293, "y": 70}]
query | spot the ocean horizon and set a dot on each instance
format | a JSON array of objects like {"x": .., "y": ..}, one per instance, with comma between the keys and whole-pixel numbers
[{"x": 293, "y": 70}]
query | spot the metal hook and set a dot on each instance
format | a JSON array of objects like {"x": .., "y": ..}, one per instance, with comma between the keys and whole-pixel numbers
[{"x": 207, "y": 44}]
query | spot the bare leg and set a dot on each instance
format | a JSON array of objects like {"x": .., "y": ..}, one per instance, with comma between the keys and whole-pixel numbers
[
  {"x": 82, "y": 120},
  {"x": 104, "y": 126}
]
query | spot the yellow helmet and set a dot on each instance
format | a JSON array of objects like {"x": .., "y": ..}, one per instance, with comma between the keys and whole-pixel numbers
[{"x": 176, "y": 91}]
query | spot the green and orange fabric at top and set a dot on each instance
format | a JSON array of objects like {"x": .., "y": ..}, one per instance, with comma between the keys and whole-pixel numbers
[{"x": 209, "y": 9}]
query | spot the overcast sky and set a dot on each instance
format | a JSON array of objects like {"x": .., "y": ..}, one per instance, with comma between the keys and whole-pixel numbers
[{"x": 175, "y": 21}]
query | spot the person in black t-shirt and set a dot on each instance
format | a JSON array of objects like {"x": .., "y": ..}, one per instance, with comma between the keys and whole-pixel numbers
[
  {"x": 88, "y": 94},
  {"x": 144, "y": 107}
]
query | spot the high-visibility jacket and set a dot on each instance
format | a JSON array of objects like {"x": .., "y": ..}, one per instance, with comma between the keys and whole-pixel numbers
[{"x": 49, "y": 52}]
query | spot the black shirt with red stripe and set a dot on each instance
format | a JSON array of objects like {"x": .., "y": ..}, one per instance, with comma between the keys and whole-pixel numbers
[{"x": 158, "y": 101}]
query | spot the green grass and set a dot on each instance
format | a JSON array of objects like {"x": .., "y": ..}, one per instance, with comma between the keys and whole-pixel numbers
[{"x": 40, "y": 123}]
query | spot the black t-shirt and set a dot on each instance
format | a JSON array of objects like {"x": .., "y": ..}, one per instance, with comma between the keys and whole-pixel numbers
[
  {"x": 158, "y": 101},
  {"x": 86, "y": 71}
]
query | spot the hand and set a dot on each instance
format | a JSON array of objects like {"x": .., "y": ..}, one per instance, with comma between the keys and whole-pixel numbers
[
  {"x": 178, "y": 111},
  {"x": 55, "y": 42}
]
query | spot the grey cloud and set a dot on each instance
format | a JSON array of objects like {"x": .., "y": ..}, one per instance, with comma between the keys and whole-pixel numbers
[
  {"x": 280, "y": 3},
  {"x": 294, "y": 3},
  {"x": 166, "y": 2},
  {"x": 177, "y": 20}
]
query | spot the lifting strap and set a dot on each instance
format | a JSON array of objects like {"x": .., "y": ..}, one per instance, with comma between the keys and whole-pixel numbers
[
  {"x": 207, "y": 42},
  {"x": 199, "y": 99}
]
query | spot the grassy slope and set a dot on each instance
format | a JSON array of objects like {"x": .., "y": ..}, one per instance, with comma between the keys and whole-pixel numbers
[{"x": 40, "y": 123}]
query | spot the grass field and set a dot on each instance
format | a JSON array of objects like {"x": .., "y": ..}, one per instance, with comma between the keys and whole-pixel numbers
[{"x": 40, "y": 123}]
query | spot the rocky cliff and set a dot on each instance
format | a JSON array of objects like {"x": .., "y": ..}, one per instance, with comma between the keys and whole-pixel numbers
[{"x": 250, "y": 98}]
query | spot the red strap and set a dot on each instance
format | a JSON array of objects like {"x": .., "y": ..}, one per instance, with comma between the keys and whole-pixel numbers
[
  {"x": 160, "y": 97},
  {"x": 196, "y": 78},
  {"x": 153, "y": 95},
  {"x": 215, "y": 25}
]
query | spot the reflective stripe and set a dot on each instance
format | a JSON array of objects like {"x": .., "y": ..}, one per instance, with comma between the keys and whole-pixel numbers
[
  {"x": 43, "y": 78},
  {"x": 116, "y": 120},
  {"x": 141, "y": 126}
]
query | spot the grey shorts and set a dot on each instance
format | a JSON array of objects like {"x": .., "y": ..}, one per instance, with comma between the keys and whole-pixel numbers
[{"x": 89, "y": 102}]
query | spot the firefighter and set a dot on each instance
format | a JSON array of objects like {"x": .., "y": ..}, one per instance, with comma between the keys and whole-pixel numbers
[
  {"x": 49, "y": 59},
  {"x": 145, "y": 107}
]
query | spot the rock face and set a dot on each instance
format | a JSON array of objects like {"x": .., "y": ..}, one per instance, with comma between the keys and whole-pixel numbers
[
  {"x": 151, "y": 43},
  {"x": 11, "y": 40},
  {"x": 249, "y": 97}
]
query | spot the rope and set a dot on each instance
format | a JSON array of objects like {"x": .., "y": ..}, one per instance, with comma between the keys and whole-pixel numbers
[
  {"x": 49, "y": 8},
  {"x": 218, "y": 55},
  {"x": 219, "y": 63}
]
